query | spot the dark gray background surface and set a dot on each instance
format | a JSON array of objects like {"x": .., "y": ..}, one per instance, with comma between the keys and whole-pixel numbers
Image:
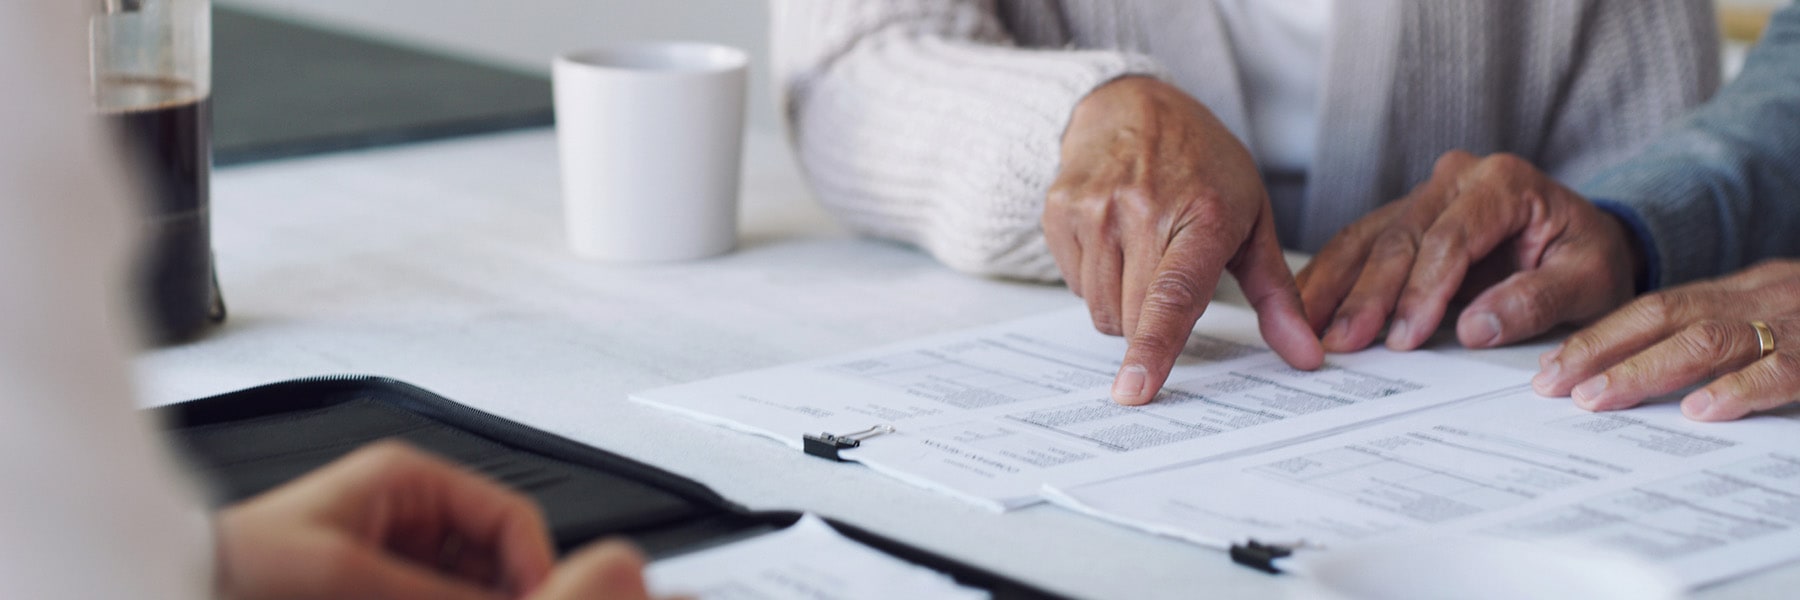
[{"x": 283, "y": 89}]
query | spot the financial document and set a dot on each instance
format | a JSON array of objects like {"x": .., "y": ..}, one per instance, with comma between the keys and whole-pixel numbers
[
  {"x": 1239, "y": 446},
  {"x": 996, "y": 414},
  {"x": 807, "y": 560},
  {"x": 1706, "y": 501}
]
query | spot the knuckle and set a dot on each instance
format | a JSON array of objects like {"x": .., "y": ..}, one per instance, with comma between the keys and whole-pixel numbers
[
  {"x": 1508, "y": 164},
  {"x": 1784, "y": 378},
  {"x": 1762, "y": 274},
  {"x": 1158, "y": 344},
  {"x": 1708, "y": 339},
  {"x": 1630, "y": 371},
  {"x": 1061, "y": 196},
  {"x": 1759, "y": 274},
  {"x": 1210, "y": 209},
  {"x": 1356, "y": 306},
  {"x": 1105, "y": 320},
  {"x": 1394, "y": 243},
  {"x": 1358, "y": 233},
  {"x": 1442, "y": 243},
  {"x": 1746, "y": 387},
  {"x": 1450, "y": 162},
  {"x": 1535, "y": 300},
  {"x": 1786, "y": 288},
  {"x": 1136, "y": 201},
  {"x": 1785, "y": 365},
  {"x": 1656, "y": 309},
  {"x": 1066, "y": 201},
  {"x": 1580, "y": 348},
  {"x": 1731, "y": 391},
  {"x": 1172, "y": 294},
  {"x": 1091, "y": 209}
]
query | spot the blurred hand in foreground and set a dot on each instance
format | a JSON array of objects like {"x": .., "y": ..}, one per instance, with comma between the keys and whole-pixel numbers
[
  {"x": 1667, "y": 341},
  {"x": 1525, "y": 252},
  {"x": 391, "y": 522},
  {"x": 1155, "y": 200}
]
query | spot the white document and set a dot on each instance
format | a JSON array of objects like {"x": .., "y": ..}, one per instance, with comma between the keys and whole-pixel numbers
[
  {"x": 807, "y": 560},
  {"x": 993, "y": 415},
  {"x": 1376, "y": 445},
  {"x": 1706, "y": 501}
]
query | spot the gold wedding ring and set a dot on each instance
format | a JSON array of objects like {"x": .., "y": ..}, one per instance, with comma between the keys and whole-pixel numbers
[{"x": 1765, "y": 338}]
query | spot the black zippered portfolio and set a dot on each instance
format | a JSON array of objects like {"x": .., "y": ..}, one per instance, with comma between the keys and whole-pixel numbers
[{"x": 252, "y": 440}]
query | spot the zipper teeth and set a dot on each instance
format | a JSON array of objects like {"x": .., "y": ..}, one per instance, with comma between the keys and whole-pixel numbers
[
  {"x": 966, "y": 572},
  {"x": 437, "y": 406}
]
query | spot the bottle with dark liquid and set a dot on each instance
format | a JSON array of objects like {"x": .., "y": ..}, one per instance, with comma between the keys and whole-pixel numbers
[{"x": 152, "y": 82}]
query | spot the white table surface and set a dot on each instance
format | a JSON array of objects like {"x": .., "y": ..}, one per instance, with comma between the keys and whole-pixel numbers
[{"x": 443, "y": 265}]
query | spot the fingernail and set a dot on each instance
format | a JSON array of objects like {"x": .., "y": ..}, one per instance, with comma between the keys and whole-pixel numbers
[
  {"x": 1588, "y": 393},
  {"x": 1547, "y": 359},
  {"x": 1398, "y": 334},
  {"x": 1334, "y": 336},
  {"x": 1546, "y": 379},
  {"x": 1698, "y": 405},
  {"x": 1484, "y": 329},
  {"x": 1129, "y": 385}
]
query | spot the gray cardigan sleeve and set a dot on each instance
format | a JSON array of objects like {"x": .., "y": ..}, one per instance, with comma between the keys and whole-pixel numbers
[{"x": 1721, "y": 189}]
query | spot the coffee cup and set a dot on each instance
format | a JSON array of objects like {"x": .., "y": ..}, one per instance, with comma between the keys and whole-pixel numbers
[{"x": 650, "y": 137}]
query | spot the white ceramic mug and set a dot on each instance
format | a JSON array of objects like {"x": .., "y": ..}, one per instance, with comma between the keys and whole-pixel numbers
[{"x": 651, "y": 140}]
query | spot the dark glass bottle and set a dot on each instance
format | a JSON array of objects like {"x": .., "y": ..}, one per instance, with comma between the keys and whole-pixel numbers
[{"x": 152, "y": 81}]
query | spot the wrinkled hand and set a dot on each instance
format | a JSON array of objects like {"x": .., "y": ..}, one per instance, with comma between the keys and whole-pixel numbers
[
  {"x": 1667, "y": 341},
  {"x": 1154, "y": 201},
  {"x": 1532, "y": 253},
  {"x": 392, "y": 522}
]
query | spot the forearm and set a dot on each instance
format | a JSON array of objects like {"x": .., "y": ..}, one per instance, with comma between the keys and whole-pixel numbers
[
  {"x": 1721, "y": 190},
  {"x": 921, "y": 121}
]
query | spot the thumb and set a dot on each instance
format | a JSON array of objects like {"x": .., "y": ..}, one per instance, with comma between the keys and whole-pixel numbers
[
  {"x": 609, "y": 570},
  {"x": 1528, "y": 303},
  {"x": 1263, "y": 274}
]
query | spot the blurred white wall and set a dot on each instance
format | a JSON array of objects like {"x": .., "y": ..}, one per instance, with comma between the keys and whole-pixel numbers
[{"x": 526, "y": 34}]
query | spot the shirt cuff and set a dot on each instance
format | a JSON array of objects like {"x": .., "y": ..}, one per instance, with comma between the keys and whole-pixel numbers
[{"x": 1652, "y": 277}]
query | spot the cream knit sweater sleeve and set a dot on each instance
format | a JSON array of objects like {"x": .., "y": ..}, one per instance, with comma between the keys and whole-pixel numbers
[{"x": 922, "y": 121}]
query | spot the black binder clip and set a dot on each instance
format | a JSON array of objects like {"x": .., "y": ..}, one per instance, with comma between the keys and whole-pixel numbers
[
  {"x": 827, "y": 445},
  {"x": 1262, "y": 557}
]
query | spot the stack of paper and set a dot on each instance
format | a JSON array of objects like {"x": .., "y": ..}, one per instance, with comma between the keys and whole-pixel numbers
[
  {"x": 1241, "y": 446},
  {"x": 806, "y": 560}
]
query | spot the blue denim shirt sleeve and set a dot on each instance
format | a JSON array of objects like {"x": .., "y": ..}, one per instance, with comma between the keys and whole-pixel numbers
[
  {"x": 1652, "y": 277},
  {"x": 1720, "y": 189}
]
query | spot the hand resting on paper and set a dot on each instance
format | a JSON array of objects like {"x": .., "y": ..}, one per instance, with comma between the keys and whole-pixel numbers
[
  {"x": 392, "y": 522},
  {"x": 1526, "y": 252},
  {"x": 1665, "y": 342},
  {"x": 1155, "y": 200}
]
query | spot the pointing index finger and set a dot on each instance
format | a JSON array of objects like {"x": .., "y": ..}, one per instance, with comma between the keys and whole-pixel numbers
[{"x": 1178, "y": 293}]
